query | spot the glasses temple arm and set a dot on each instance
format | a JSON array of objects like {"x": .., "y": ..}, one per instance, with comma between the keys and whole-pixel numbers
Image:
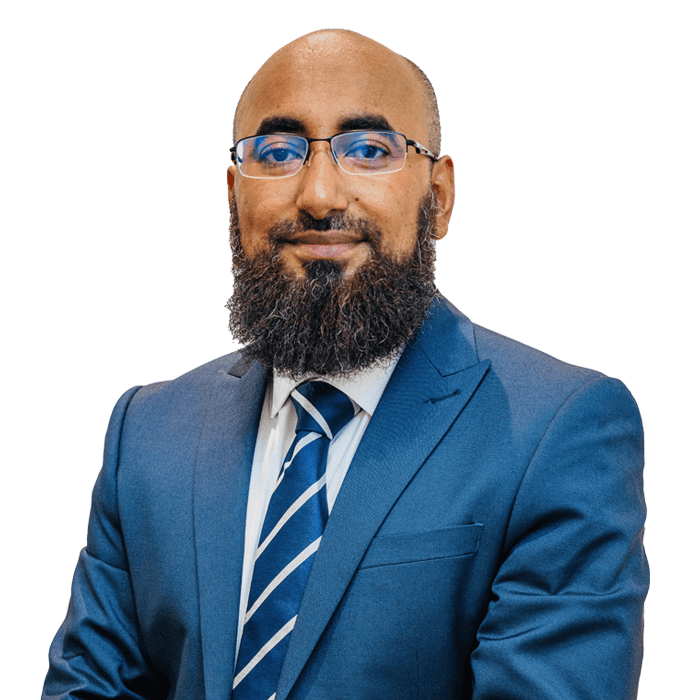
[{"x": 421, "y": 150}]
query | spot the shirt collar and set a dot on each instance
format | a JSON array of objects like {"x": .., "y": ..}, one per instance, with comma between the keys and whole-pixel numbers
[{"x": 364, "y": 388}]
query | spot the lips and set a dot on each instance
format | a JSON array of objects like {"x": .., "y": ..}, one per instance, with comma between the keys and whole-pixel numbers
[
  {"x": 314, "y": 245},
  {"x": 325, "y": 238}
]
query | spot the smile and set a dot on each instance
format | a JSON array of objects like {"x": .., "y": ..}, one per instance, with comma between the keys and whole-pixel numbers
[{"x": 329, "y": 245}]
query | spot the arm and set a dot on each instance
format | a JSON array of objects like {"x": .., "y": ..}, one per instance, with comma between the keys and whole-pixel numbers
[
  {"x": 565, "y": 617},
  {"x": 97, "y": 651}
]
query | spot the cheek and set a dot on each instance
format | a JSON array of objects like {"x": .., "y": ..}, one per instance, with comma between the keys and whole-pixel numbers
[
  {"x": 257, "y": 213},
  {"x": 394, "y": 208}
]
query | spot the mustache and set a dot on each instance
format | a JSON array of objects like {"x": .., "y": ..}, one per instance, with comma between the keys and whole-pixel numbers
[{"x": 283, "y": 230}]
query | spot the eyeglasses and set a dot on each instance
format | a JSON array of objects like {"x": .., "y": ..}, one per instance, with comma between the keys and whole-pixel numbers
[{"x": 356, "y": 152}]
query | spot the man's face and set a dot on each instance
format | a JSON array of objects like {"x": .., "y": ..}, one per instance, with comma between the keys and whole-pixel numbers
[{"x": 319, "y": 90}]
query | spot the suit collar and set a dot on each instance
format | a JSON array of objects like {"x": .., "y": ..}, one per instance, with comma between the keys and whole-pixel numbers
[
  {"x": 447, "y": 339},
  {"x": 241, "y": 366}
]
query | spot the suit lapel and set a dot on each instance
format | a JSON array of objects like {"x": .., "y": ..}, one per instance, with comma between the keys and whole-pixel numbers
[
  {"x": 221, "y": 480},
  {"x": 432, "y": 383}
]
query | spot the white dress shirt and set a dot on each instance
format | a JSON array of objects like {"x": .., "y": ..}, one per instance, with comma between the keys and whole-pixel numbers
[{"x": 276, "y": 433}]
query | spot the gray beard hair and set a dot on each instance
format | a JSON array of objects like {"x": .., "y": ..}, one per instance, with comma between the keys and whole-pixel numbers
[{"x": 324, "y": 323}]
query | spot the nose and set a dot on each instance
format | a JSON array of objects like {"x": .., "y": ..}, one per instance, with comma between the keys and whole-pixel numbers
[{"x": 320, "y": 188}]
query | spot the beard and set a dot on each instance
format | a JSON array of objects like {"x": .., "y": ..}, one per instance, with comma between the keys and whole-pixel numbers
[{"x": 327, "y": 323}]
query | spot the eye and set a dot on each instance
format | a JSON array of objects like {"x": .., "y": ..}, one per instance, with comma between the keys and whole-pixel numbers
[
  {"x": 280, "y": 152},
  {"x": 366, "y": 149},
  {"x": 366, "y": 152}
]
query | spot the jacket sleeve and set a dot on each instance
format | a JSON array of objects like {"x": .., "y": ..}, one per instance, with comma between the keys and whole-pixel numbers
[
  {"x": 97, "y": 652},
  {"x": 565, "y": 617}
]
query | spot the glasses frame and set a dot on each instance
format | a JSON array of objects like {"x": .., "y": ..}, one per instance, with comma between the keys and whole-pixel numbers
[{"x": 420, "y": 150}]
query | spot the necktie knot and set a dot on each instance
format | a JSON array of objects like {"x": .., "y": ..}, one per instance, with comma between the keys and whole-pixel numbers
[{"x": 321, "y": 408}]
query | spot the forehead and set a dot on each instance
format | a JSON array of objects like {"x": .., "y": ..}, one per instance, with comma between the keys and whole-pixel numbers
[{"x": 324, "y": 86}]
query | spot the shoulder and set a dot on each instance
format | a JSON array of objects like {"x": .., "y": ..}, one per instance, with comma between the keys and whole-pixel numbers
[
  {"x": 519, "y": 365},
  {"x": 452, "y": 342},
  {"x": 158, "y": 427},
  {"x": 528, "y": 384},
  {"x": 189, "y": 388},
  {"x": 210, "y": 372},
  {"x": 534, "y": 380},
  {"x": 179, "y": 404}
]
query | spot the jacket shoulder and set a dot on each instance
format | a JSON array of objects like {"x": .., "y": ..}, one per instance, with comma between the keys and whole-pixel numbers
[
  {"x": 536, "y": 386},
  {"x": 511, "y": 357},
  {"x": 177, "y": 407},
  {"x": 190, "y": 387}
]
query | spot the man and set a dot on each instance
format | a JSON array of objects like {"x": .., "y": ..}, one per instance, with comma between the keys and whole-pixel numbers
[{"x": 470, "y": 525}]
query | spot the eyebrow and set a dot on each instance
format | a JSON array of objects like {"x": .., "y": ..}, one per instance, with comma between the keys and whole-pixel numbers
[
  {"x": 283, "y": 124},
  {"x": 280, "y": 125},
  {"x": 365, "y": 122}
]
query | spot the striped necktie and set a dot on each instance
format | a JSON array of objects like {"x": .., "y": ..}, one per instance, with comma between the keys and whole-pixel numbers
[{"x": 291, "y": 534}]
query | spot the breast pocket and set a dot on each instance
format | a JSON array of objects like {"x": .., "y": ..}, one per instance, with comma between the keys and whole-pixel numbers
[{"x": 404, "y": 548}]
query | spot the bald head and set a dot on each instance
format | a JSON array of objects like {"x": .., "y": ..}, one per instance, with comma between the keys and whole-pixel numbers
[{"x": 320, "y": 61}]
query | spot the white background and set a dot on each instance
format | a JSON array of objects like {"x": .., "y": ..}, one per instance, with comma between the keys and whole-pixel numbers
[{"x": 574, "y": 129}]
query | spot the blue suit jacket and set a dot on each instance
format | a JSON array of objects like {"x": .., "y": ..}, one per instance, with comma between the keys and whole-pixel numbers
[{"x": 486, "y": 542}]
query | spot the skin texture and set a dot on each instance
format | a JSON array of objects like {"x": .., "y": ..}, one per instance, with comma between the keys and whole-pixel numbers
[{"x": 321, "y": 81}]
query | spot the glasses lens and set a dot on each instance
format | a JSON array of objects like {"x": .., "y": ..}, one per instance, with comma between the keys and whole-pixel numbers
[
  {"x": 275, "y": 155},
  {"x": 370, "y": 152}
]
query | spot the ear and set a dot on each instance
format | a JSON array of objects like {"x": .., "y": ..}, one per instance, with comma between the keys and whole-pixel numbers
[
  {"x": 443, "y": 183},
  {"x": 230, "y": 178}
]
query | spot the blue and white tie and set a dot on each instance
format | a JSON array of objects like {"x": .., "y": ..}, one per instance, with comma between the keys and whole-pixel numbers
[{"x": 291, "y": 534}]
